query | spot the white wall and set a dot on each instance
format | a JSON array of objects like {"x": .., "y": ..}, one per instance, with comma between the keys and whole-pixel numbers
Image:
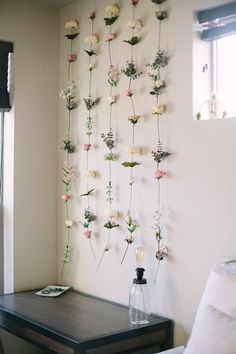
[
  {"x": 33, "y": 123},
  {"x": 200, "y": 191}
]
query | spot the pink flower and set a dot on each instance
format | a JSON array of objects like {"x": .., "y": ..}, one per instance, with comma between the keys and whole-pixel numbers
[
  {"x": 159, "y": 174},
  {"x": 129, "y": 93},
  {"x": 134, "y": 2},
  {"x": 65, "y": 197},
  {"x": 87, "y": 147},
  {"x": 110, "y": 37},
  {"x": 92, "y": 15},
  {"x": 71, "y": 58},
  {"x": 87, "y": 233}
]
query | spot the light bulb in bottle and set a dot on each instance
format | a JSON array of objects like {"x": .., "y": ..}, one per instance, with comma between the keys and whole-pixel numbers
[{"x": 139, "y": 256}]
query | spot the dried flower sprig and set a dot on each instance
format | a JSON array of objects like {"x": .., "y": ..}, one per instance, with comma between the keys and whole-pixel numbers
[
  {"x": 68, "y": 95},
  {"x": 108, "y": 139},
  {"x": 161, "y": 60},
  {"x": 131, "y": 227},
  {"x": 130, "y": 70},
  {"x": 91, "y": 103},
  {"x": 159, "y": 154},
  {"x": 68, "y": 146}
]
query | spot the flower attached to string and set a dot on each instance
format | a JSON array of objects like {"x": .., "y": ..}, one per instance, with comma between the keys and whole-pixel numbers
[
  {"x": 65, "y": 197},
  {"x": 113, "y": 10},
  {"x": 131, "y": 227},
  {"x": 72, "y": 29},
  {"x": 135, "y": 24},
  {"x": 161, "y": 15},
  {"x": 158, "y": 109},
  {"x": 69, "y": 223},
  {"x": 92, "y": 15},
  {"x": 160, "y": 174},
  {"x": 89, "y": 174},
  {"x": 134, "y": 118},
  {"x": 87, "y": 147},
  {"x": 134, "y": 2},
  {"x": 110, "y": 37},
  {"x": 133, "y": 150},
  {"x": 92, "y": 39}
]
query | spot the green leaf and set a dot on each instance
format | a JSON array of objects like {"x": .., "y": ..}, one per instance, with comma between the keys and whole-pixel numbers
[
  {"x": 110, "y": 20},
  {"x": 130, "y": 164},
  {"x": 134, "y": 40},
  {"x": 88, "y": 193},
  {"x": 109, "y": 225},
  {"x": 90, "y": 52}
]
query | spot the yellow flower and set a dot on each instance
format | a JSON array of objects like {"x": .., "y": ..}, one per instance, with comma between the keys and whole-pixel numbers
[
  {"x": 113, "y": 10},
  {"x": 158, "y": 108},
  {"x": 134, "y": 118}
]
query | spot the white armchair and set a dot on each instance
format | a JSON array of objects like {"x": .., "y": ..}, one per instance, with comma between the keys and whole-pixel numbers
[{"x": 214, "y": 329}]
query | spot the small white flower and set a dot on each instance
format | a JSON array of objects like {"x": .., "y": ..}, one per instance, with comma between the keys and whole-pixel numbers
[
  {"x": 112, "y": 214},
  {"x": 158, "y": 108},
  {"x": 112, "y": 99},
  {"x": 160, "y": 83},
  {"x": 91, "y": 67},
  {"x": 92, "y": 39},
  {"x": 131, "y": 181},
  {"x": 106, "y": 247},
  {"x": 134, "y": 150},
  {"x": 135, "y": 24},
  {"x": 69, "y": 223},
  {"x": 113, "y": 10},
  {"x": 89, "y": 174}
]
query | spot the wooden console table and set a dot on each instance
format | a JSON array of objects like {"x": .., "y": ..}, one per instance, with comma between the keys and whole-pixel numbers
[{"x": 77, "y": 323}]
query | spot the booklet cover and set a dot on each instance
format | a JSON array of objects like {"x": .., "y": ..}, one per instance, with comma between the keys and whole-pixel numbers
[{"x": 53, "y": 290}]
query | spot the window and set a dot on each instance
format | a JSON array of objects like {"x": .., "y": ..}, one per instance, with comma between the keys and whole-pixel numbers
[
  {"x": 223, "y": 72},
  {"x": 216, "y": 70}
]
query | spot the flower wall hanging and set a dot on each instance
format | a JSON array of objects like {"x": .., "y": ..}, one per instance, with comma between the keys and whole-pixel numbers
[
  {"x": 132, "y": 73},
  {"x": 90, "y": 103},
  {"x": 108, "y": 138},
  {"x": 158, "y": 110},
  {"x": 68, "y": 95},
  {"x": 89, "y": 197}
]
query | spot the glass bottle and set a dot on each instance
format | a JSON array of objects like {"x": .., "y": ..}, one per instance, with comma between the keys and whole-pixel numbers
[{"x": 139, "y": 302}]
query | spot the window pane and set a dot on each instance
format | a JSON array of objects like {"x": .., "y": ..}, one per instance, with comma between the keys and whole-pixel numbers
[{"x": 226, "y": 74}]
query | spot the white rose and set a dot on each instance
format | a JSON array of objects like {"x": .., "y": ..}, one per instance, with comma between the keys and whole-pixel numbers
[
  {"x": 135, "y": 24},
  {"x": 134, "y": 150},
  {"x": 158, "y": 108},
  {"x": 92, "y": 39},
  {"x": 69, "y": 223},
  {"x": 89, "y": 174},
  {"x": 113, "y": 10},
  {"x": 159, "y": 83}
]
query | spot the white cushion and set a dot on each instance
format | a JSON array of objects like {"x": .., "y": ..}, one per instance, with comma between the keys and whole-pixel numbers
[
  {"x": 178, "y": 350},
  {"x": 213, "y": 333},
  {"x": 220, "y": 290}
]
